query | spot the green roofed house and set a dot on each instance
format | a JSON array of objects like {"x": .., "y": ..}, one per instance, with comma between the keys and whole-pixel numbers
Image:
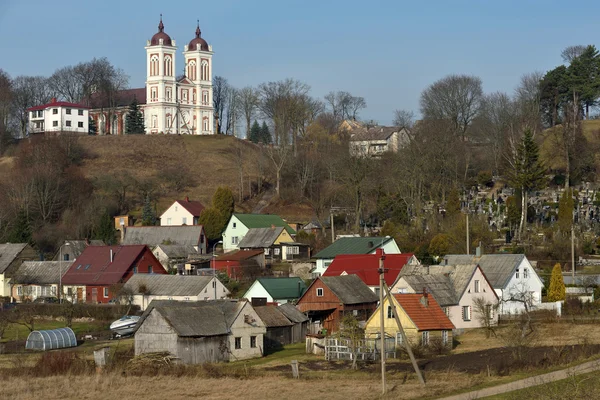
[
  {"x": 239, "y": 225},
  {"x": 275, "y": 290},
  {"x": 353, "y": 245}
]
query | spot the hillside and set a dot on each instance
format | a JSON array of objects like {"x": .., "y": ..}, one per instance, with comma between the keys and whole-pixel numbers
[{"x": 550, "y": 144}]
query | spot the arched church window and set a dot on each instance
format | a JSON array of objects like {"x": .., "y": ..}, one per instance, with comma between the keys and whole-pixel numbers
[
  {"x": 154, "y": 65},
  {"x": 168, "y": 66}
]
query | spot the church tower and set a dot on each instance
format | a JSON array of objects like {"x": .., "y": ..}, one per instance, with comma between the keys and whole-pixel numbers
[
  {"x": 161, "y": 106},
  {"x": 198, "y": 70}
]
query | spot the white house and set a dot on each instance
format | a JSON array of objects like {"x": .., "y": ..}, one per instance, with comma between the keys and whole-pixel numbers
[
  {"x": 182, "y": 212},
  {"x": 353, "y": 245},
  {"x": 143, "y": 288},
  {"x": 511, "y": 275},
  {"x": 59, "y": 117},
  {"x": 12, "y": 256},
  {"x": 456, "y": 288},
  {"x": 377, "y": 140},
  {"x": 276, "y": 290},
  {"x": 239, "y": 225}
]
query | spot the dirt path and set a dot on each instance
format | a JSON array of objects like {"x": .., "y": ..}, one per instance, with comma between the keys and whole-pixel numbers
[
  {"x": 264, "y": 201},
  {"x": 589, "y": 366}
]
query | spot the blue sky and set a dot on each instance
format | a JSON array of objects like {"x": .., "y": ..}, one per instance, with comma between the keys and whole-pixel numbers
[{"x": 385, "y": 51}]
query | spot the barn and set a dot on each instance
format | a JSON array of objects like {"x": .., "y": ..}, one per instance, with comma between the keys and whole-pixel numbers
[{"x": 279, "y": 328}]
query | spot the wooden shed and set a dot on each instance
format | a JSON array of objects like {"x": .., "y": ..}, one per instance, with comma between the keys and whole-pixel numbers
[
  {"x": 279, "y": 328},
  {"x": 299, "y": 319},
  {"x": 201, "y": 331}
]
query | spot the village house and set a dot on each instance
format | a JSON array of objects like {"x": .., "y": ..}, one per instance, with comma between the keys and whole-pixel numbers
[
  {"x": 98, "y": 271},
  {"x": 353, "y": 245},
  {"x": 141, "y": 289},
  {"x": 275, "y": 290},
  {"x": 375, "y": 141},
  {"x": 152, "y": 236},
  {"x": 182, "y": 212},
  {"x": 298, "y": 319},
  {"x": 202, "y": 331},
  {"x": 170, "y": 255},
  {"x": 239, "y": 225},
  {"x": 422, "y": 319},
  {"x": 71, "y": 249},
  {"x": 35, "y": 279},
  {"x": 457, "y": 289},
  {"x": 240, "y": 264},
  {"x": 511, "y": 275},
  {"x": 329, "y": 298},
  {"x": 366, "y": 267},
  {"x": 276, "y": 243},
  {"x": 58, "y": 117},
  {"x": 12, "y": 256},
  {"x": 279, "y": 328}
]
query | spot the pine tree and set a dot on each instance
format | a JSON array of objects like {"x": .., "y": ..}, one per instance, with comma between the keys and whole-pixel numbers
[
  {"x": 223, "y": 201},
  {"x": 556, "y": 291},
  {"x": 215, "y": 218},
  {"x": 566, "y": 206},
  {"x": 135, "y": 119},
  {"x": 148, "y": 214},
  {"x": 265, "y": 134},
  {"x": 21, "y": 231},
  {"x": 92, "y": 129},
  {"x": 105, "y": 230},
  {"x": 255, "y": 131}
]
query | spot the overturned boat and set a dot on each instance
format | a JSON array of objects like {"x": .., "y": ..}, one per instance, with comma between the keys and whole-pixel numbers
[{"x": 124, "y": 326}]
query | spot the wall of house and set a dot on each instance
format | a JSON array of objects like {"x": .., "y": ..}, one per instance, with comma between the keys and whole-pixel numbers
[
  {"x": 468, "y": 300},
  {"x": 22, "y": 292},
  {"x": 145, "y": 260},
  {"x": 244, "y": 330},
  {"x": 27, "y": 254},
  {"x": 257, "y": 290},
  {"x": 530, "y": 286},
  {"x": 202, "y": 350},
  {"x": 234, "y": 229},
  {"x": 98, "y": 294},
  {"x": 155, "y": 335},
  {"x": 176, "y": 215},
  {"x": 207, "y": 294},
  {"x": 71, "y": 293},
  {"x": 277, "y": 337}
]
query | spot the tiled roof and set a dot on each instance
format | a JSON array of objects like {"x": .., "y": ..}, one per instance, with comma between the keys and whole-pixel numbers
[
  {"x": 283, "y": 288},
  {"x": 426, "y": 318},
  {"x": 8, "y": 253},
  {"x": 168, "y": 285},
  {"x": 40, "y": 272},
  {"x": 192, "y": 206},
  {"x": 239, "y": 255},
  {"x": 57, "y": 104},
  {"x": 122, "y": 98},
  {"x": 349, "y": 289},
  {"x": 272, "y": 316},
  {"x": 366, "y": 266},
  {"x": 185, "y": 235},
  {"x": 353, "y": 245},
  {"x": 263, "y": 221},
  {"x": 93, "y": 266},
  {"x": 260, "y": 238}
]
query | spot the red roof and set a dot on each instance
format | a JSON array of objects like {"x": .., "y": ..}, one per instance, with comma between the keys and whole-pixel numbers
[
  {"x": 122, "y": 98},
  {"x": 239, "y": 255},
  {"x": 55, "y": 103},
  {"x": 366, "y": 266},
  {"x": 426, "y": 318},
  {"x": 94, "y": 267},
  {"x": 193, "y": 207}
]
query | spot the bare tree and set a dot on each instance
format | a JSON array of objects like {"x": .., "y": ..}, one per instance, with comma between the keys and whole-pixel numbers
[
  {"x": 279, "y": 156},
  {"x": 5, "y": 108},
  {"x": 220, "y": 96},
  {"x": 232, "y": 110},
  {"x": 498, "y": 117},
  {"x": 528, "y": 97},
  {"x": 404, "y": 118},
  {"x": 343, "y": 105},
  {"x": 248, "y": 100},
  {"x": 484, "y": 313},
  {"x": 572, "y": 52},
  {"x": 28, "y": 91}
]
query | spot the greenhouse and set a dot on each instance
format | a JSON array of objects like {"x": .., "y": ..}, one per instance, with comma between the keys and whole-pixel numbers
[{"x": 51, "y": 339}]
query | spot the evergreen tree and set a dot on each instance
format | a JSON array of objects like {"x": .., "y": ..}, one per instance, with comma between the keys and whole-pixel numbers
[
  {"x": 105, "y": 230},
  {"x": 148, "y": 214},
  {"x": 453, "y": 203},
  {"x": 223, "y": 201},
  {"x": 21, "y": 231},
  {"x": 92, "y": 129},
  {"x": 135, "y": 119},
  {"x": 556, "y": 290},
  {"x": 265, "y": 134},
  {"x": 255, "y": 132},
  {"x": 566, "y": 205},
  {"x": 215, "y": 218}
]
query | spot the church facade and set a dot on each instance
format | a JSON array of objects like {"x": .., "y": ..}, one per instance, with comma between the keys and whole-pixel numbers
[{"x": 170, "y": 104}]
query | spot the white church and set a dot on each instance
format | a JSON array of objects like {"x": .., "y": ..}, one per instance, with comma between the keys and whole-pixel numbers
[{"x": 170, "y": 104}]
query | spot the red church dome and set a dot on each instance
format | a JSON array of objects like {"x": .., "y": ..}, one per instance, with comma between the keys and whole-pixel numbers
[
  {"x": 155, "y": 41},
  {"x": 198, "y": 43}
]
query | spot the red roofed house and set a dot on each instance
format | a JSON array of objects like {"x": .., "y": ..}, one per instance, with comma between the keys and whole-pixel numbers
[
  {"x": 182, "y": 212},
  {"x": 240, "y": 263},
  {"x": 366, "y": 266},
  {"x": 58, "y": 117},
  {"x": 90, "y": 278},
  {"x": 421, "y": 316}
]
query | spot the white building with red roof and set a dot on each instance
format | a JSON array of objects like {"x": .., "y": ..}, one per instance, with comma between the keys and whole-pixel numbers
[
  {"x": 182, "y": 212},
  {"x": 58, "y": 117}
]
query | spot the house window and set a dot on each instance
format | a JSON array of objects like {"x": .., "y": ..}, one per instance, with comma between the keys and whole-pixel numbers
[
  {"x": 238, "y": 342},
  {"x": 183, "y": 220},
  {"x": 65, "y": 257},
  {"x": 517, "y": 274},
  {"x": 292, "y": 250},
  {"x": 68, "y": 123},
  {"x": 149, "y": 269},
  {"x": 489, "y": 311},
  {"x": 19, "y": 290},
  {"x": 355, "y": 313},
  {"x": 476, "y": 287},
  {"x": 68, "y": 111},
  {"x": 276, "y": 251},
  {"x": 253, "y": 342},
  {"x": 234, "y": 240},
  {"x": 54, "y": 123},
  {"x": 267, "y": 251},
  {"x": 55, "y": 111},
  {"x": 525, "y": 273},
  {"x": 399, "y": 340},
  {"x": 466, "y": 313},
  {"x": 390, "y": 312},
  {"x": 425, "y": 338},
  {"x": 105, "y": 292},
  {"x": 319, "y": 292},
  {"x": 234, "y": 224},
  {"x": 168, "y": 221},
  {"x": 79, "y": 112},
  {"x": 80, "y": 124},
  {"x": 445, "y": 338}
]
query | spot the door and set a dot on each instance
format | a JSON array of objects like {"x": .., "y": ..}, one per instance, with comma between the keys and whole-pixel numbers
[
  {"x": 94, "y": 295},
  {"x": 79, "y": 295}
]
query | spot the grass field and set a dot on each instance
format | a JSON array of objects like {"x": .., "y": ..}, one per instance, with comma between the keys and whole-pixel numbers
[{"x": 20, "y": 332}]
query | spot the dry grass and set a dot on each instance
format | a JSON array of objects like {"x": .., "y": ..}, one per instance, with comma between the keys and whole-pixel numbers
[{"x": 550, "y": 147}]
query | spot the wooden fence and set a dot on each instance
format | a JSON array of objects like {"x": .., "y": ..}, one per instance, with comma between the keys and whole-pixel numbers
[{"x": 367, "y": 349}]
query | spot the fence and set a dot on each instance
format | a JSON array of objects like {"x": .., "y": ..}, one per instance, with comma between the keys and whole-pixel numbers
[{"x": 367, "y": 349}]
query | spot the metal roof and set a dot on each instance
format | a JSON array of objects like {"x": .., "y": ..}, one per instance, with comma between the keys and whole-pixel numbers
[
  {"x": 263, "y": 221},
  {"x": 260, "y": 238},
  {"x": 168, "y": 285},
  {"x": 186, "y": 235},
  {"x": 353, "y": 245},
  {"x": 8, "y": 253},
  {"x": 40, "y": 272},
  {"x": 177, "y": 251},
  {"x": 438, "y": 285},
  {"x": 350, "y": 289},
  {"x": 498, "y": 268},
  {"x": 272, "y": 316},
  {"x": 292, "y": 313},
  {"x": 283, "y": 288}
]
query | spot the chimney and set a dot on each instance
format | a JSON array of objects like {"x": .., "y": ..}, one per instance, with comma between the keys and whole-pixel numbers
[
  {"x": 123, "y": 233},
  {"x": 112, "y": 255},
  {"x": 272, "y": 227},
  {"x": 425, "y": 298},
  {"x": 53, "y": 100},
  {"x": 187, "y": 198},
  {"x": 478, "y": 250}
]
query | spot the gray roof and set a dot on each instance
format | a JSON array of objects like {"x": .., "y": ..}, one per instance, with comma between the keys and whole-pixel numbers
[
  {"x": 168, "y": 285},
  {"x": 292, "y": 313},
  {"x": 8, "y": 253},
  {"x": 155, "y": 235},
  {"x": 196, "y": 318},
  {"x": 259, "y": 238},
  {"x": 498, "y": 268},
  {"x": 177, "y": 251},
  {"x": 272, "y": 317},
  {"x": 40, "y": 272},
  {"x": 350, "y": 289},
  {"x": 374, "y": 133}
]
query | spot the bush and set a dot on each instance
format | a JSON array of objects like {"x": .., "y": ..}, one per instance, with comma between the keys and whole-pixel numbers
[
  {"x": 484, "y": 178},
  {"x": 99, "y": 312}
]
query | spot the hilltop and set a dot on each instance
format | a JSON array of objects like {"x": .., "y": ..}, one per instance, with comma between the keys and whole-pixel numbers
[{"x": 550, "y": 144}]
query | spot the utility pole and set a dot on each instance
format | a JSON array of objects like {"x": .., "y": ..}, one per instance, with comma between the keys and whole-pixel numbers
[
  {"x": 382, "y": 321},
  {"x": 332, "y": 227},
  {"x": 468, "y": 250},
  {"x": 573, "y": 252}
]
